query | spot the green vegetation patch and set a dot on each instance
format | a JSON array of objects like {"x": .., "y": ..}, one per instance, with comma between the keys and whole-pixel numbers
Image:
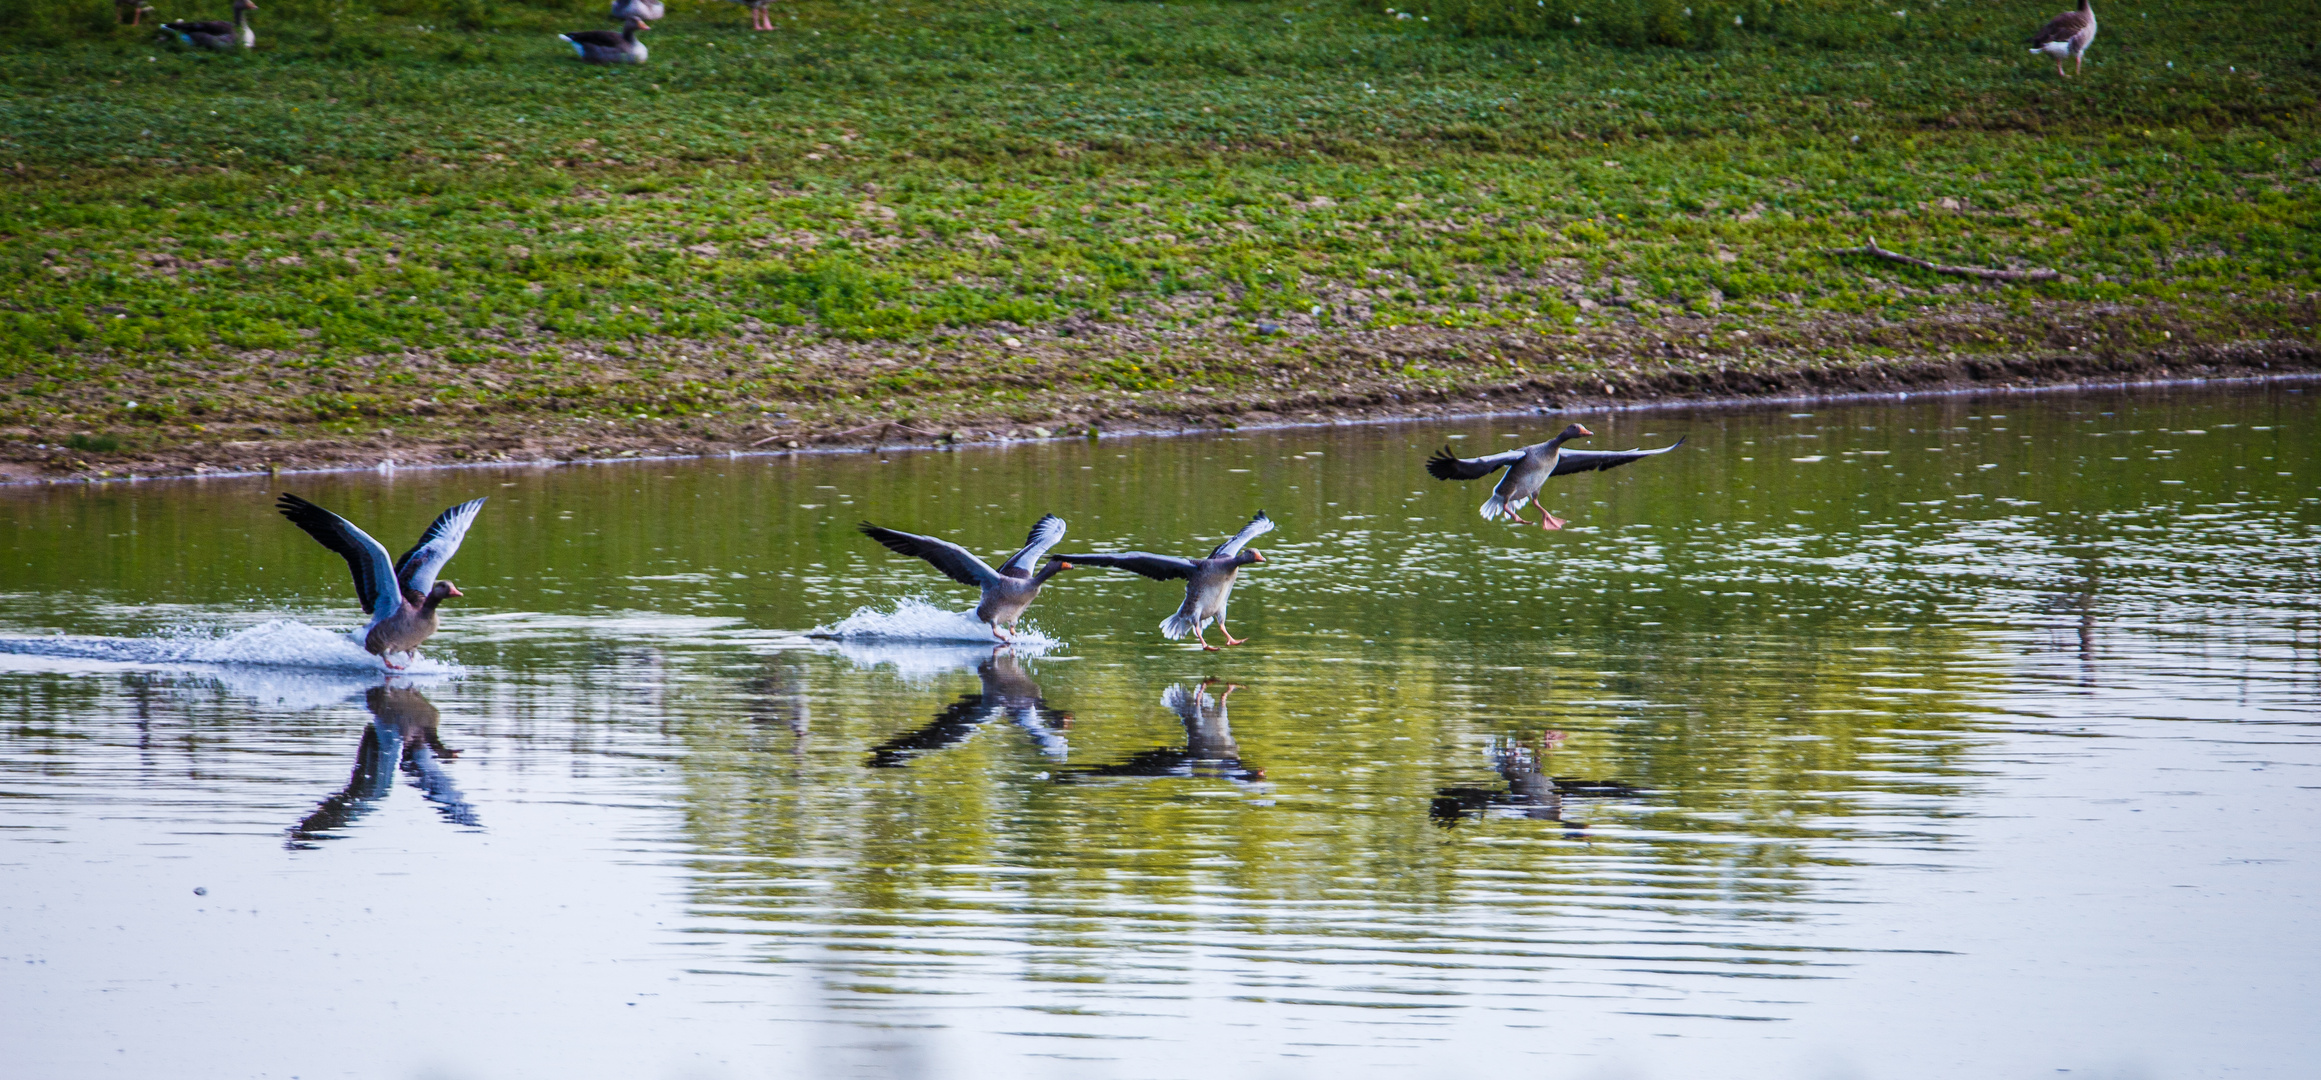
[{"x": 370, "y": 211}]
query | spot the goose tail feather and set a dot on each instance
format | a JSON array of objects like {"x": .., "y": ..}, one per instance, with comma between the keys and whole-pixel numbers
[
  {"x": 1179, "y": 626},
  {"x": 1494, "y": 507}
]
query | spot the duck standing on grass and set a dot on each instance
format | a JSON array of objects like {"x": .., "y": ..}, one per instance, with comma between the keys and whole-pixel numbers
[
  {"x": 213, "y": 34},
  {"x": 606, "y": 47},
  {"x": 2067, "y": 36},
  {"x": 1528, "y": 468},
  {"x": 402, "y": 595},
  {"x": 1208, "y": 582},
  {"x": 642, "y": 12},
  {"x": 1008, "y": 590}
]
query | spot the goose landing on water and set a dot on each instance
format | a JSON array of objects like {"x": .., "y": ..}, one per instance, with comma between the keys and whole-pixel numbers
[
  {"x": 401, "y": 596},
  {"x": 2067, "y": 36},
  {"x": 1208, "y": 582},
  {"x": 1528, "y": 468},
  {"x": 215, "y": 34},
  {"x": 606, "y": 47},
  {"x": 1008, "y": 590}
]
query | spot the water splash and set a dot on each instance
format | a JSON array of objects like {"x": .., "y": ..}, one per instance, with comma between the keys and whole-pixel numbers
[
  {"x": 276, "y": 643},
  {"x": 917, "y": 620}
]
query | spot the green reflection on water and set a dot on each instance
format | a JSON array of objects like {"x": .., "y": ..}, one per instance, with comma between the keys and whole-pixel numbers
[{"x": 1752, "y": 661}]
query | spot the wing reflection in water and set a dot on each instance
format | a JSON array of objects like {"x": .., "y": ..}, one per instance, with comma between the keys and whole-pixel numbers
[
  {"x": 402, "y": 734},
  {"x": 1007, "y": 690},
  {"x": 1530, "y": 793},
  {"x": 1209, "y": 748}
]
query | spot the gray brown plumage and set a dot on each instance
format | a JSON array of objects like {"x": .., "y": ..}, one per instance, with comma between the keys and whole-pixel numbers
[
  {"x": 1208, "y": 582},
  {"x": 401, "y": 596},
  {"x": 216, "y": 34},
  {"x": 1008, "y": 590},
  {"x": 1528, "y": 468},
  {"x": 2067, "y": 36}
]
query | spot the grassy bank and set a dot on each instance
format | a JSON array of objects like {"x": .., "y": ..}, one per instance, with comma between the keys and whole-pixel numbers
[{"x": 389, "y": 234}]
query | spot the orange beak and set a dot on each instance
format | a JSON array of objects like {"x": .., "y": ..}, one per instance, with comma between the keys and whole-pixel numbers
[
  {"x": 1584, "y": 430},
  {"x": 1259, "y": 555},
  {"x": 1067, "y": 566},
  {"x": 450, "y": 589}
]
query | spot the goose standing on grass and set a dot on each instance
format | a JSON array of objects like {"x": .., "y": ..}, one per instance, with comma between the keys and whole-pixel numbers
[
  {"x": 606, "y": 47},
  {"x": 1008, "y": 590},
  {"x": 1208, "y": 582},
  {"x": 402, "y": 595},
  {"x": 213, "y": 34},
  {"x": 131, "y": 12},
  {"x": 2067, "y": 36},
  {"x": 1528, "y": 467},
  {"x": 642, "y": 12},
  {"x": 759, "y": 17}
]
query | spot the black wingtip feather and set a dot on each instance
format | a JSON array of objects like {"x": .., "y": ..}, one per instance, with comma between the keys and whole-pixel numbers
[{"x": 1444, "y": 465}]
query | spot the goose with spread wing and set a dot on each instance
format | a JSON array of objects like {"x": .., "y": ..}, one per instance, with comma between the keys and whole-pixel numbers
[
  {"x": 401, "y": 596},
  {"x": 1208, "y": 582},
  {"x": 1528, "y": 468},
  {"x": 1008, "y": 590}
]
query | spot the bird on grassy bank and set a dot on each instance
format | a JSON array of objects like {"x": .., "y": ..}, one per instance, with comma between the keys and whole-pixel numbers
[
  {"x": 1528, "y": 467},
  {"x": 759, "y": 17},
  {"x": 1208, "y": 582},
  {"x": 401, "y": 596},
  {"x": 214, "y": 34},
  {"x": 2067, "y": 36},
  {"x": 1008, "y": 590},
  {"x": 642, "y": 12},
  {"x": 131, "y": 12},
  {"x": 606, "y": 47}
]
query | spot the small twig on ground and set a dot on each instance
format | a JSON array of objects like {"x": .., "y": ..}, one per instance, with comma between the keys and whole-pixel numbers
[
  {"x": 769, "y": 438},
  {"x": 1960, "y": 271},
  {"x": 883, "y": 424}
]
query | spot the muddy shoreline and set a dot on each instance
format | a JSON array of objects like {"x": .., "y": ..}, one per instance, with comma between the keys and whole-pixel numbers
[{"x": 1594, "y": 392}]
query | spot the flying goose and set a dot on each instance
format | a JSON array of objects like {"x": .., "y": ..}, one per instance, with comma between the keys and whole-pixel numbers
[
  {"x": 642, "y": 12},
  {"x": 214, "y": 34},
  {"x": 1208, "y": 582},
  {"x": 1528, "y": 467},
  {"x": 606, "y": 47},
  {"x": 2067, "y": 36},
  {"x": 759, "y": 17},
  {"x": 401, "y": 596},
  {"x": 1008, "y": 590}
]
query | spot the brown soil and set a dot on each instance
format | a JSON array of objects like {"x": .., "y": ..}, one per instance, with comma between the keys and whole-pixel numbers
[{"x": 1065, "y": 380}]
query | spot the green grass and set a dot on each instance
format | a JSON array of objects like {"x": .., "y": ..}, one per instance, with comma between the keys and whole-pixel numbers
[{"x": 370, "y": 215}]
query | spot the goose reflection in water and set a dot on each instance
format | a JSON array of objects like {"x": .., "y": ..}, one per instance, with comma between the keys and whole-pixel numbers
[
  {"x": 1530, "y": 793},
  {"x": 1209, "y": 748},
  {"x": 401, "y": 735},
  {"x": 1007, "y": 690}
]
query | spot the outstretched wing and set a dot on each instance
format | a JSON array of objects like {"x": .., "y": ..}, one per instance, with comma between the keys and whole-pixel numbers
[
  {"x": 418, "y": 566},
  {"x": 1572, "y": 461},
  {"x": 1258, "y": 526},
  {"x": 2062, "y": 27},
  {"x": 1156, "y": 567},
  {"x": 1047, "y": 532},
  {"x": 1446, "y": 466},
  {"x": 367, "y": 558},
  {"x": 956, "y": 563}
]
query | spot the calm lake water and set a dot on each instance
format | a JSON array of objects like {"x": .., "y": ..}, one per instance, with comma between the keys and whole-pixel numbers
[{"x": 1942, "y": 738}]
